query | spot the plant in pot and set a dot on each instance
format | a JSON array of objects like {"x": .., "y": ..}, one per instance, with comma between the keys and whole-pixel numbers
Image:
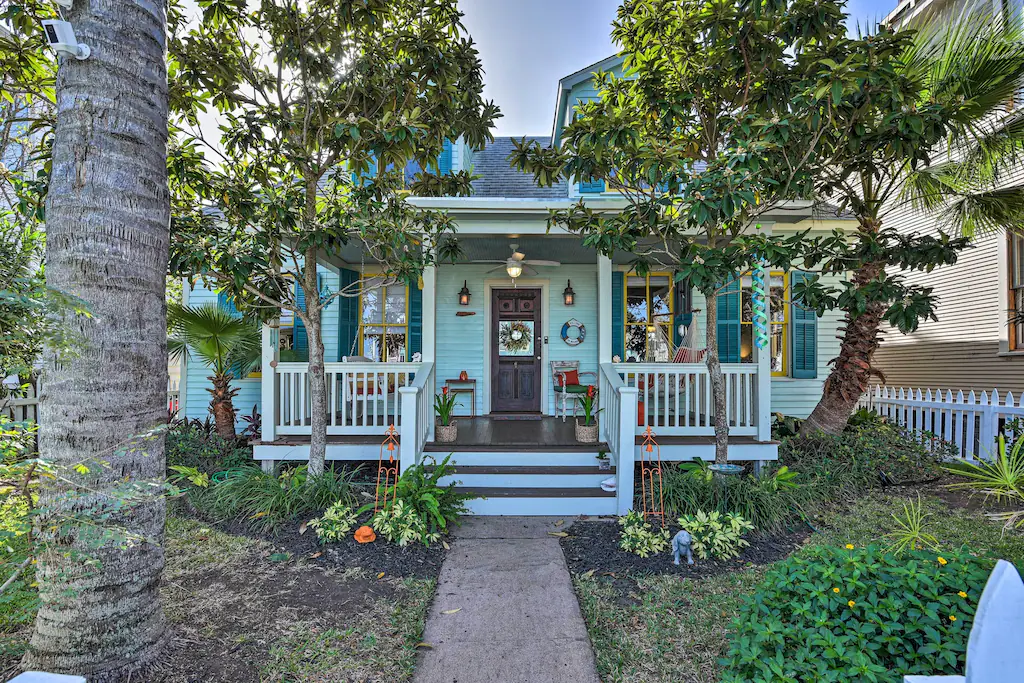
[
  {"x": 447, "y": 429},
  {"x": 604, "y": 463},
  {"x": 586, "y": 431}
]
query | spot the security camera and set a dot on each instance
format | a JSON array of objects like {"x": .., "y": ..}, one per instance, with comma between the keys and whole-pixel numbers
[{"x": 61, "y": 38}]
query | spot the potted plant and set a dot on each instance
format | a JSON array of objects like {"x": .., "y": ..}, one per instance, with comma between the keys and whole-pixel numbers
[
  {"x": 604, "y": 463},
  {"x": 586, "y": 431},
  {"x": 447, "y": 429}
]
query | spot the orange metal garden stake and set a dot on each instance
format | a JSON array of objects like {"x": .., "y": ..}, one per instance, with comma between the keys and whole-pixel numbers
[
  {"x": 389, "y": 469},
  {"x": 650, "y": 487}
]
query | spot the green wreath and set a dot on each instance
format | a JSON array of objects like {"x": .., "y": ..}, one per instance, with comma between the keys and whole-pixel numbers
[{"x": 514, "y": 336}]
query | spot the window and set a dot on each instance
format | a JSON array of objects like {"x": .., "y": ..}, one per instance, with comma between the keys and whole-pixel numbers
[
  {"x": 1016, "y": 282},
  {"x": 779, "y": 322},
  {"x": 649, "y": 318},
  {"x": 384, "y": 322}
]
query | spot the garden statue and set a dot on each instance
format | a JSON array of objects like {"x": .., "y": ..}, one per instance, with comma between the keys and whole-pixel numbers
[{"x": 681, "y": 546}]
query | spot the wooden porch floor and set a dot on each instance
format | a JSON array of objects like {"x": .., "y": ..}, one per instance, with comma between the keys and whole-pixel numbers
[{"x": 491, "y": 433}]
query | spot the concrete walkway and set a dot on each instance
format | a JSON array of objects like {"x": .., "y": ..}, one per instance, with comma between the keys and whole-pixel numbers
[{"x": 517, "y": 619}]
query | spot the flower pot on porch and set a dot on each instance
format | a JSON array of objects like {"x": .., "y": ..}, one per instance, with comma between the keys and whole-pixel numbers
[
  {"x": 586, "y": 433},
  {"x": 446, "y": 433}
]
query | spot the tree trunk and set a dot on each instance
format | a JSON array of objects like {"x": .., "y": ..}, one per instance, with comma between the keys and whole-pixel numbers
[
  {"x": 717, "y": 381},
  {"x": 107, "y": 219},
  {"x": 851, "y": 369},
  {"x": 222, "y": 406},
  {"x": 317, "y": 380}
]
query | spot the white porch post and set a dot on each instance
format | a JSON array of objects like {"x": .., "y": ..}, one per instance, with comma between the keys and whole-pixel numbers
[
  {"x": 429, "y": 313},
  {"x": 604, "y": 309},
  {"x": 408, "y": 430},
  {"x": 626, "y": 448},
  {"x": 764, "y": 369},
  {"x": 268, "y": 384}
]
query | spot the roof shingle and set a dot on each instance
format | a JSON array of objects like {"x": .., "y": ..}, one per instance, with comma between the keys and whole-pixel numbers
[{"x": 498, "y": 179}]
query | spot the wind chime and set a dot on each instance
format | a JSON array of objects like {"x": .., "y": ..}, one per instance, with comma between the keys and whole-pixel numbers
[
  {"x": 650, "y": 478},
  {"x": 388, "y": 471},
  {"x": 759, "y": 308}
]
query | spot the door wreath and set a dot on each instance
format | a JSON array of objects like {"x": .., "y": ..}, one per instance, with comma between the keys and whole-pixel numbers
[
  {"x": 515, "y": 336},
  {"x": 576, "y": 339}
]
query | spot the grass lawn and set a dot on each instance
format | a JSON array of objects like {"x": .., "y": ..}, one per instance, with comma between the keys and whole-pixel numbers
[
  {"x": 672, "y": 629},
  {"x": 236, "y": 614}
]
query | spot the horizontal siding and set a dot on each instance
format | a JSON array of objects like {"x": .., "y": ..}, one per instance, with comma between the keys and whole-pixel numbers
[{"x": 460, "y": 340}]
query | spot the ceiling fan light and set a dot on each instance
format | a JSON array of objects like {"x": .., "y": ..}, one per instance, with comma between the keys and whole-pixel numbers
[{"x": 513, "y": 268}]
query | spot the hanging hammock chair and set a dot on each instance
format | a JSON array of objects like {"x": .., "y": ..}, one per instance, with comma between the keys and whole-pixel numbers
[{"x": 688, "y": 351}]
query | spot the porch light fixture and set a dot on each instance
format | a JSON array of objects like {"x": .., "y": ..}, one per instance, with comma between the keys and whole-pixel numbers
[
  {"x": 568, "y": 294},
  {"x": 513, "y": 268},
  {"x": 464, "y": 294}
]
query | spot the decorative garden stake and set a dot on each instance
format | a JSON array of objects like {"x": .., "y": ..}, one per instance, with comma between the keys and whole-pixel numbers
[
  {"x": 681, "y": 543},
  {"x": 388, "y": 469},
  {"x": 759, "y": 307},
  {"x": 650, "y": 477}
]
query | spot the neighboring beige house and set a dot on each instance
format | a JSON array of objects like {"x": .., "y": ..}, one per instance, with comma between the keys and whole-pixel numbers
[{"x": 972, "y": 346}]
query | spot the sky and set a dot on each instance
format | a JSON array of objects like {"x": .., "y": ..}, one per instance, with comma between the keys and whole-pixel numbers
[{"x": 527, "y": 45}]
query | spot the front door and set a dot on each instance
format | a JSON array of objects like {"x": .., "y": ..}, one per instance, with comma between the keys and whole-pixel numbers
[{"x": 516, "y": 350}]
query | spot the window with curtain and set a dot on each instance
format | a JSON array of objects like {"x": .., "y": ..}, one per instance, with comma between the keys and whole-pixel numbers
[
  {"x": 384, "y": 322},
  {"x": 1016, "y": 286},
  {"x": 779, "y": 322},
  {"x": 648, "y": 320}
]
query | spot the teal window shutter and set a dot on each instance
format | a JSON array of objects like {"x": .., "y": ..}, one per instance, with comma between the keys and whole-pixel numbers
[
  {"x": 348, "y": 315},
  {"x": 729, "y": 306},
  {"x": 805, "y": 335},
  {"x": 591, "y": 187},
  {"x": 224, "y": 302},
  {"x": 300, "y": 340},
  {"x": 444, "y": 162},
  {"x": 682, "y": 312},
  {"x": 618, "y": 311},
  {"x": 415, "y": 341}
]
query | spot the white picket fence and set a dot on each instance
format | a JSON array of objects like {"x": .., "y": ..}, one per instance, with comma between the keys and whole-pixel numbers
[
  {"x": 970, "y": 421},
  {"x": 26, "y": 407}
]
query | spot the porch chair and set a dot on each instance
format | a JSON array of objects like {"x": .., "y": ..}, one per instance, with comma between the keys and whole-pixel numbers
[{"x": 566, "y": 377}]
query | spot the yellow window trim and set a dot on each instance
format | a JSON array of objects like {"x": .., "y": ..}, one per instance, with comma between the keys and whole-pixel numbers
[
  {"x": 650, "y": 323},
  {"x": 784, "y": 324},
  {"x": 384, "y": 325}
]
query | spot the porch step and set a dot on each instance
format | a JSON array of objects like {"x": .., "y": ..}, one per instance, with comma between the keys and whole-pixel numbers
[
  {"x": 505, "y": 477},
  {"x": 435, "y": 447},
  {"x": 568, "y": 502},
  {"x": 540, "y": 492},
  {"x": 507, "y": 458}
]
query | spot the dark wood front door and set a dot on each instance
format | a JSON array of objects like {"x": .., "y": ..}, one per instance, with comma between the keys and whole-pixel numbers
[{"x": 516, "y": 339}]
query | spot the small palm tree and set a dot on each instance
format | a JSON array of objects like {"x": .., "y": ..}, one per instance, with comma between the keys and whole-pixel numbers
[{"x": 229, "y": 344}]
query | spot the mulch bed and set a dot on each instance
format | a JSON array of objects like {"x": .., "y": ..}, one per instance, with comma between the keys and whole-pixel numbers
[{"x": 594, "y": 545}]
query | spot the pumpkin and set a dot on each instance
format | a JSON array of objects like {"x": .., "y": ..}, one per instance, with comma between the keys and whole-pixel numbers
[{"x": 364, "y": 534}]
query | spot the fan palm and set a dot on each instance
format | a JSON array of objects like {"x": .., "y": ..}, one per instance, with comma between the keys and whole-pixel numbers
[
  {"x": 227, "y": 343},
  {"x": 944, "y": 138}
]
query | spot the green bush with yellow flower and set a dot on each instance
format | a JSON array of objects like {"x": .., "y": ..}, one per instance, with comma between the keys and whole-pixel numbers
[{"x": 857, "y": 614}]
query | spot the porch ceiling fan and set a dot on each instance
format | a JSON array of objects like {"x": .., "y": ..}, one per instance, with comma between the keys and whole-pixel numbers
[{"x": 515, "y": 264}]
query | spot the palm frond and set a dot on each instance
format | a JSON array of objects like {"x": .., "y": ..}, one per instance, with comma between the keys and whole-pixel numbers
[
  {"x": 981, "y": 213},
  {"x": 212, "y": 334}
]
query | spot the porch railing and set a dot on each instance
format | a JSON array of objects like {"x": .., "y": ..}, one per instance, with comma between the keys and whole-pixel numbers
[
  {"x": 618, "y": 413},
  {"x": 675, "y": 398},
  {"x": 418, "y": 408},
  {"x": 362, "y": 398}
]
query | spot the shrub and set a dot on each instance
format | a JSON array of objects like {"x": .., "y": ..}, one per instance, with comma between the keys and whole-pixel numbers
[
  {"x": 716, "y": 535},
  {"x": 335, "y": 523},
  {"x": 400, "y": 524},
  {"x": 267, "y": 501},
  {"x": 768, "y": 503},
  {"x": 833, "y": 614},
  {"x": 421, "y": 497},
  {"x": 639, "y": 537},
  {"x": 191, "y": 443},
  {"x": 860, "y": 459}
]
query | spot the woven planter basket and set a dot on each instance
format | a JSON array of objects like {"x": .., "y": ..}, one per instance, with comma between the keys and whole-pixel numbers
[
  {"x": 586, "y": 434},
  {"x": 446, "y": 433}
]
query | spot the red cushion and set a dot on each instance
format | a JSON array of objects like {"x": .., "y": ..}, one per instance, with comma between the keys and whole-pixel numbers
[{"x": 571, "y": 377}]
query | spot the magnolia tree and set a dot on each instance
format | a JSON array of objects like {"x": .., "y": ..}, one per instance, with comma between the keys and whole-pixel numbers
[
  {"x": 322, "y": 105},
  {"x": 718, "y": 118},
  {"x": 926, "y": 130}
]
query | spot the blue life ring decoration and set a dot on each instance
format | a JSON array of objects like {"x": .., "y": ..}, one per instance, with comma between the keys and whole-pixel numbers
[{"x": 581, "y": 332}]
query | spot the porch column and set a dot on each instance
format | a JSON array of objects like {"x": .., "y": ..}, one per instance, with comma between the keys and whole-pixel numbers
[
  {"x": 604, "y": 309},
  {"x": 268, "y": 382},
  {"x": 429, "y": 343},
  {"x": 764, "y": 367}
]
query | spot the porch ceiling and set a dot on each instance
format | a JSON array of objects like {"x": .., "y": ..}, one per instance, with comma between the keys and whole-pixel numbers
[{"x": 549, "y": 247}]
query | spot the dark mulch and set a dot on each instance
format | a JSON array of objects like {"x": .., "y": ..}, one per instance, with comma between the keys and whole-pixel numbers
[{"x": 595, "y": 546}]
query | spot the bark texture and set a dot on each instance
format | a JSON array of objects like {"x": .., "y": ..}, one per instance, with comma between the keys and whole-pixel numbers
[
  {"x": 107, "y": 237},
  {"x": 222, "y": 406},
  {"x": 317, "y": 380},
  {"x": 717, "y": 381},
  {"x": 851, "y": 369}
]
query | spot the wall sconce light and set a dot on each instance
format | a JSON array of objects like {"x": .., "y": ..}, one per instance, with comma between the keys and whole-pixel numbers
[
  {"x": 570, "y": 296},
  {"x": 464, "y": 294}
]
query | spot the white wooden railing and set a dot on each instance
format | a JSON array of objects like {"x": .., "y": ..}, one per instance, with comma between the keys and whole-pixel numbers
[
  {"x": 970, "y": 421},
  {"x": 676, "y": 398},
  {"x": 362, "y": 398},
  {"x": 417, "y": 407},
  {"x": 618, "y": 404}
]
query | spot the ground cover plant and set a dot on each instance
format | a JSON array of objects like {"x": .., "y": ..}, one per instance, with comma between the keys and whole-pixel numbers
[{"x": 417, "y": 509}]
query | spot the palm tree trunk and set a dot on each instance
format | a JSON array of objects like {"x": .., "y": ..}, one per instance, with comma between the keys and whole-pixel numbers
[
  {"x": 851, "y": 369},
  {"x": 107, "y": 220},
  {"x": 717, "y": 380},
  {"x": 317, "y": 380},
  {"x": 222, "y": 406}
]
